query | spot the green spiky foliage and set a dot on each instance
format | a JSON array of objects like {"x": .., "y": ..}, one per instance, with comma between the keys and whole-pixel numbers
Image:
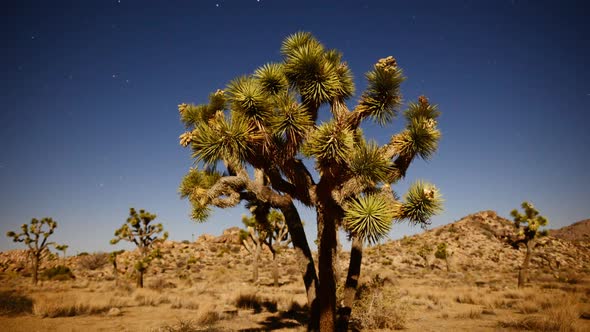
[
  {"x": 442, "y": 252},
  {"x": 139, "y": 230},
  {"x": 528, "y": 226},
  {"x": 35, "y": 236},
  {"x": 250, "y": 141}
]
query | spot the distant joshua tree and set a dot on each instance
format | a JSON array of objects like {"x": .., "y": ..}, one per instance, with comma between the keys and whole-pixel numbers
[
  {"x": 443, "y": 253},
  {"x": 528, "y": 225},
  {"x": 138, "y": 230},
  {"x": 113, "y": 259},
  {"x": 425, "y": 251},
  {"x": 62, "y": 248},
  {"x": 35, "y": 236},
  {"x": 250, "y": 140},
  {"x": 265, "y": 228}
]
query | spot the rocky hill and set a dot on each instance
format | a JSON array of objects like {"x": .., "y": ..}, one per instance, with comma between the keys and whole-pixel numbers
[
  {"x": 477, "y": 242},
  {"x": 579, "y": 231}
]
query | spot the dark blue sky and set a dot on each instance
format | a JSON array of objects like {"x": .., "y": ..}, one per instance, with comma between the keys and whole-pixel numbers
[{"x": 89, "y": 93}]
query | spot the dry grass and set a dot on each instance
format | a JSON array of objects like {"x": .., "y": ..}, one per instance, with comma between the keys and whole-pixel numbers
[
  {"x": 67, "y": 306},
  {"x": 561, "y": 317}
]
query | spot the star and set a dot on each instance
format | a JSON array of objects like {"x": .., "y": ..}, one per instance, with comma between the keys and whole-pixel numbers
[
  {"x": 216, "y": 5},
  {"x": 114, "y": 75}
]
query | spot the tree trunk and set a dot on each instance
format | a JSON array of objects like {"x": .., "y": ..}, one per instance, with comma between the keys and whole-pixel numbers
[
  {"x": 275, "y": 270},
  {"x": 140, "y": 278},
  {"x": 352, "y": 279},
  {"x": 304, "y": 261},
  {"x": 522, "y": 272},
  {"x": 327, "y": 253},
  {"x": 35, "y": 262},
  {"x": 256, "y": 261}
]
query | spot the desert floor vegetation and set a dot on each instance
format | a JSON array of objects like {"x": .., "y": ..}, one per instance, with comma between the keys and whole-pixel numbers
[{"x": 197, "y": 289}]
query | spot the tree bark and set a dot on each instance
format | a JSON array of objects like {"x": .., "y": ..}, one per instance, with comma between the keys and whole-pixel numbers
[
  {"x": 352, "y": 279},
  {"x": 275, "y": 270},
  {"x": 522, "y": 272},
  {"x": 327, "y": 253},
  {"x": 36, "y": 259},
  {"x": 304, "y": 261},
  {"x": 256, "y": 260},
  {"x": 140, "y": 278}
]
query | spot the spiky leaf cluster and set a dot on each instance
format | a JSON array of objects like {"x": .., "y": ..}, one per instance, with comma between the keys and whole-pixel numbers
[
  {"x": 271, "y": 78},
  {"x": 369, "y": 217},
  {"x": 530, "y": 222},
  {"x": 330, "y": 143},
  {"x": 421, "y": 202},
  {"x": 192, "y": 115},
  {"x": 367, "y": 163},
  {"x": 383, "y": 95},
  {"x": 317, "y": 74},
  {"x": 230, "y": 140}
]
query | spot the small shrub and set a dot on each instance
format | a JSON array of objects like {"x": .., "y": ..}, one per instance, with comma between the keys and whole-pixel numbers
[
  {"x": 208, "y": 317},
  {"x": 13, "y": 303},
  {"x": 376, "y": 307},
  {"x": 94, "y": 261},
  {"x": 59, "y": 272}
]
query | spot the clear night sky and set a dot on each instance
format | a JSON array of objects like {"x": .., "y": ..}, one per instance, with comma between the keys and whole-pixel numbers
[{"x": 89, "y": 94}]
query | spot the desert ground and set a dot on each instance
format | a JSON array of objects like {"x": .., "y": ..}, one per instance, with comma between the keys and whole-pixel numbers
[{"x": 208, "y": 285}]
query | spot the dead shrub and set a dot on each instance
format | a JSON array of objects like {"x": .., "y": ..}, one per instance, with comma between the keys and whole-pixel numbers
[
  {"x": 93, "y": 261},
  {"x": 376, "y": 307},
  {"x": 67, "y": 306}
]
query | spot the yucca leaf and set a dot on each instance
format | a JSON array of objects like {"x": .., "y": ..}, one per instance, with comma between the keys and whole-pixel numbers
[
  {"x": 369, "y": 217},
  {"x": 248, "y": 99},
  {"x": 368, "y": 163},
  {"x": 224, "y": 140},
  {"x": 329, "y": 143},
  {"x": 382, "y": 96},
  {"x": 271, "y": 78},
  {"x": 421, "y": 202}
]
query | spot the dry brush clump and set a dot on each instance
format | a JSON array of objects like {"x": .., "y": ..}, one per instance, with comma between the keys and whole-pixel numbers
[
  {"x": 63, "y": 305},
  {"x": 93, "y": 261},
  {"x": 377, "y": 307},
  {"x": 561, "y": 316}
]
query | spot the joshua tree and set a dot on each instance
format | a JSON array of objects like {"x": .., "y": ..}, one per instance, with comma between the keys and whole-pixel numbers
[
  {"x": 443, "y": 253},
  {"x": 278, "y": 240},
  {"x": 528, "y": 225},
  {"x": 138, "y": 230},
  {"x": 252, "y": 239},
  {"x": 250, "y": 140},
  {"x": 425, "y": 251},
  {"x": 31, "y": 235},
  {"x": 113, "y": 259},
  {"x": 266, "y": 227},
  {"x": 62, "y": 248}
]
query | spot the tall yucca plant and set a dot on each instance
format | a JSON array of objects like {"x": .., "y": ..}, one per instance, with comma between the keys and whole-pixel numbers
[{"x": 263, "y": 126}]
